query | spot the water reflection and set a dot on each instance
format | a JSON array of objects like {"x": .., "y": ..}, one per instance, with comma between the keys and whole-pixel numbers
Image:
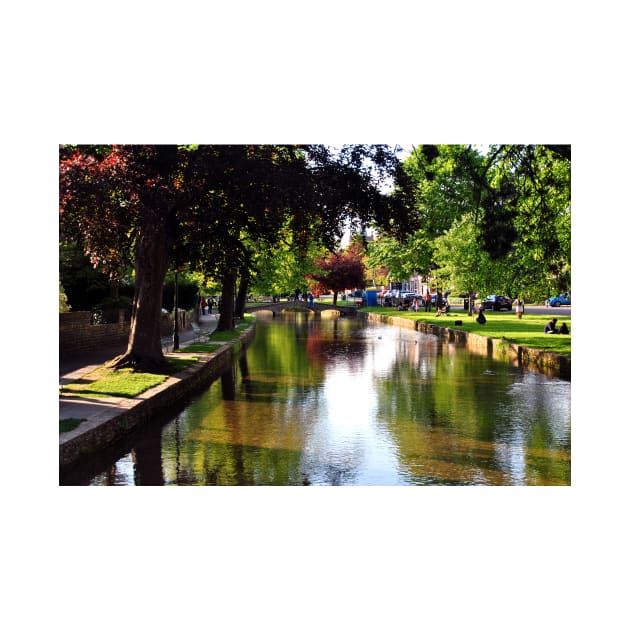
[{"x": 339, "y": 402}]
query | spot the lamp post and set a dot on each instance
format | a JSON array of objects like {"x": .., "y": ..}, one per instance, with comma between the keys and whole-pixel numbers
[{"x": 176, "y": 325}]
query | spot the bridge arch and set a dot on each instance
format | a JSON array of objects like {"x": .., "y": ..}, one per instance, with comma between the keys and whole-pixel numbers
[{"x": 317, "y": 308}]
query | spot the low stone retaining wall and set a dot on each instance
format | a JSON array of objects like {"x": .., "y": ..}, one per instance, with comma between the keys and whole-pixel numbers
[
  {"x": 549, "y": 363},
  {"x": 98, "y": 432},
  {"x": 77, "y": 333}
]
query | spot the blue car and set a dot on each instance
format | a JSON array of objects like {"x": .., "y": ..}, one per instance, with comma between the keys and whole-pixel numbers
[{"x": 564, "y": 299}]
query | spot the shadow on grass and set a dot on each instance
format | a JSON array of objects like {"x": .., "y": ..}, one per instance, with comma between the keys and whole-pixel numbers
[
  {"x": 68, "y": 424},
  {"x": 124, "y": 383}
]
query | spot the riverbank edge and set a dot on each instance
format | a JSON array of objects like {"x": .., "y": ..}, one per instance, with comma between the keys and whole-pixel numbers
[
  {"x": 126, "y": 414},
  {"x": 549, "y": 363}
]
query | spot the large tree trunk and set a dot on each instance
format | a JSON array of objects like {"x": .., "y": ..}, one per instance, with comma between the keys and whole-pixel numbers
[
  {"x": 226, "y": 319},
  {"x": 144, "y": 350},
  {"x": 241, "y": 296}
]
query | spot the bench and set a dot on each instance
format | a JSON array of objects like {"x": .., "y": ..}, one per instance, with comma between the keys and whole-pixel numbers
[{"x": 200, "y": 335}]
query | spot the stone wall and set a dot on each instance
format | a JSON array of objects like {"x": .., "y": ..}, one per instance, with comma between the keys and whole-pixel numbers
[
  {"x": 549, "y": 363},
  {"x": 78, "y": 334}
]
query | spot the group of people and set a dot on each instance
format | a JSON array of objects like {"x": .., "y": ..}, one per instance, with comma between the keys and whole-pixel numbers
[
  {"x": 206, "y": 303},
  {"x": 298, "y": 296},
  {"x": 550, "y": 328}
]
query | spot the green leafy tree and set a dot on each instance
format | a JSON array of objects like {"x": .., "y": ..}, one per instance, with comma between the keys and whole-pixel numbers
[
  {"x": 84, "y": 285},
  {"x": 436, "y": 185},
  {"x": 518, "y": 199},
  {"x": 387, "y": 253},
  {"x": 459, "y": 256},
  {"x": 278, "y": 270},
  {"x": 64, "y": 307}
]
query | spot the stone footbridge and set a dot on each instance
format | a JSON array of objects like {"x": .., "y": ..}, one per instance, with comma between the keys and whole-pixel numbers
[{"x": 316, "y": 307}]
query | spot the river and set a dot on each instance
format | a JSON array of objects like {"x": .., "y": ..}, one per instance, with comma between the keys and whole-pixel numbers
[{"x": 338, "y": 401}]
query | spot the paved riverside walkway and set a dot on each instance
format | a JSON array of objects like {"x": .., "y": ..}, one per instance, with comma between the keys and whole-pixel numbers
[{"x": 74, "y": 366}]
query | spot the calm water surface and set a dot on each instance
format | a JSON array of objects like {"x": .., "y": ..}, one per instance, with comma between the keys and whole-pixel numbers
[{"x": 342, "y": 402}]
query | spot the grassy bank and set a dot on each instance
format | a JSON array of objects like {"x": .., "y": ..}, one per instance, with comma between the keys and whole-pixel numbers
[
  {"x": 68, "y": 424},
  {"x": 527, "y": 331},
  {"x": 125, "y": 383}
]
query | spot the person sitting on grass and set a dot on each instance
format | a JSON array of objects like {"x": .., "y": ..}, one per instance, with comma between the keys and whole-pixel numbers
[
  {"x": 481, "y": 318},
  {"x": 443, "y": 310},
  {"x": 564, "y": 329},
  {"x": 550, "y": 327}
]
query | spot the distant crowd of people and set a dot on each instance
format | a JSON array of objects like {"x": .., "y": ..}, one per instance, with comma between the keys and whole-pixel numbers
[
  {"x": 300, "y": 296},
  {"x": 208, "y": 304}
]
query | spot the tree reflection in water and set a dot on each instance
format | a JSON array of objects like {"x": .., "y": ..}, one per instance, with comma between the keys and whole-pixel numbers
[{"x": 340, "y": 402}]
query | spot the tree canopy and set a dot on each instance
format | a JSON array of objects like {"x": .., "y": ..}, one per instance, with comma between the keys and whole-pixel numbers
[
  {"x": 496, "y": 221},
  {"x": 211, "y": 206},
  {"x": 508, "y": 208}
]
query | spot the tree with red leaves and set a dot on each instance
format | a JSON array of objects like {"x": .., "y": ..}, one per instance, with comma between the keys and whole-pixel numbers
[
  {"x": 121, "y": 204},
  {"x": 341, "y": 270}
]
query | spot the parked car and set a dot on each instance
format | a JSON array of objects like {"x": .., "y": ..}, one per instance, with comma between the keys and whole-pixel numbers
[
  {"x": 564, "y": 299},
  {"x": 387, "y": 297},
  {"x": 497, "y": 302}
]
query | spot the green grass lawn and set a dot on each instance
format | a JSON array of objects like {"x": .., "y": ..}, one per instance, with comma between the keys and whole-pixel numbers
[
  {"x": 527, "y": 331},
  {"x": 340, "y": 302},
  {"x": 228, "y": 335},
  {"x": 224, "y": 335},
  {"x": 67, "y": 424},
  {"x": 123, "y": 383}
]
